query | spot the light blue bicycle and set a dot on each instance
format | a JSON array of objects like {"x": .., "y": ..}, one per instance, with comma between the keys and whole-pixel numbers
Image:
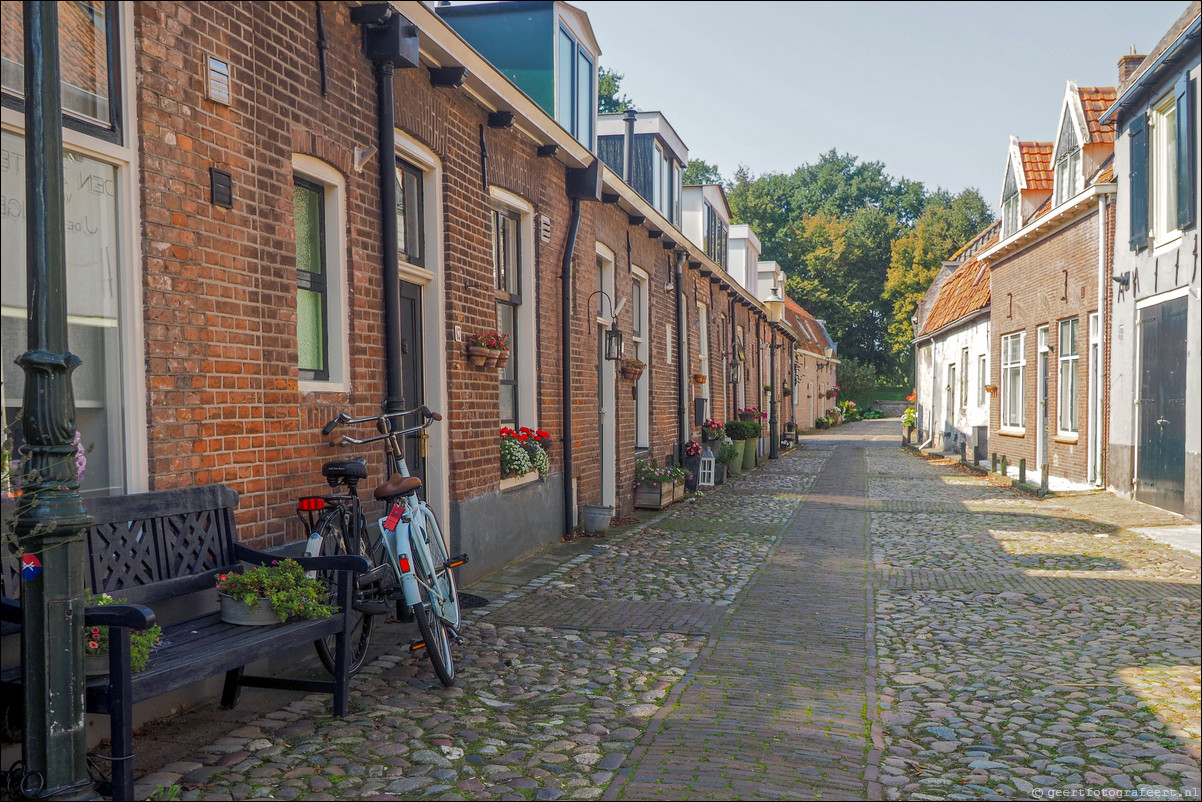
[{"x": 408, "y": 539}]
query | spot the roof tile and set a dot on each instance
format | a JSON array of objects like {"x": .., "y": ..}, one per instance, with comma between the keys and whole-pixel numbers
[
  {"x": 966, "y": 291},
  {"x": 1036, "y": 158},
  {"x": 1094, "y": 102},
  {"x": 813, "y": 338}
]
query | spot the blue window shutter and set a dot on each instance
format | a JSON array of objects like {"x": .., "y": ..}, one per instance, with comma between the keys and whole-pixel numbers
[
  {"x": 1187, "y": 152},
  {"x": 1138, "y": 133}
]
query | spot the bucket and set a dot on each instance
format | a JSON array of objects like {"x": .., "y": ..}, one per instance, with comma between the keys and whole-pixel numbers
[{"x": 596, "y": 518}]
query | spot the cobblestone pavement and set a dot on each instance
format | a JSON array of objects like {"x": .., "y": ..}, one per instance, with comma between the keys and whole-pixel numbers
[{"x": 851, "y": 621}]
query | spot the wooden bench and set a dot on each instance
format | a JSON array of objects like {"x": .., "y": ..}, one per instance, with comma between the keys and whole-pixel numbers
[{"x": 150, "y": 548}]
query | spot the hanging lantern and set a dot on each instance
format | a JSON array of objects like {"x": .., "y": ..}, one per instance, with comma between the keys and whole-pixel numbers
[{"x": 705, "y": 474}]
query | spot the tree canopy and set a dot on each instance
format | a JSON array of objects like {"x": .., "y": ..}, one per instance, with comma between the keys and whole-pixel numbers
[
  {"x": 609, "y": 84},
  {"x": 701, "y": 172},
  {"x": 836, "y": 227}
]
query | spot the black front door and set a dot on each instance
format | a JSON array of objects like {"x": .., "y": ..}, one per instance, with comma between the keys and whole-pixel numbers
[
  {"x": 1161, "y": 468},
  {"x": 412, "y": 370}
]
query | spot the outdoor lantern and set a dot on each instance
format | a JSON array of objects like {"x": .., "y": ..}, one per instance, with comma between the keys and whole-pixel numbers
[
  {"x": 613, "y": 344},
  {"x": 774, "y": 306},
  {"x": 705, "y": 476}
]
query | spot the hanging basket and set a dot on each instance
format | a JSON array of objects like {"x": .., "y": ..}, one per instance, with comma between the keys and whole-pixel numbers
[
  {"x": 502, "y": 357},
  {"x": 478, "y": 355}
]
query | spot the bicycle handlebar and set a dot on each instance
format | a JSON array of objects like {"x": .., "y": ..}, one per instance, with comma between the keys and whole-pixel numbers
[{"x": 428, "y": 417}]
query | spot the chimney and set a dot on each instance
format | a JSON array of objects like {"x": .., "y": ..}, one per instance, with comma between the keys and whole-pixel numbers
[
  {"x": 1128, "y": 65},
  {"x": 628, "y": 141}
]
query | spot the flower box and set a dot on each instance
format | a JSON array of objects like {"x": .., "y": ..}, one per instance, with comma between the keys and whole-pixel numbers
[
  {"x": 649, "y": 496},
  {"x": 678, "y": 491}
]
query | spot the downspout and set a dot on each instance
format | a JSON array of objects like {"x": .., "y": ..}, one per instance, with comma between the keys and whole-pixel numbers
[
  {"x": 628, "y": 145},
  {"x": 1102, "y": 374},
  {"x": 682, "y": 353},
  {"x": 565, "y": 305}
]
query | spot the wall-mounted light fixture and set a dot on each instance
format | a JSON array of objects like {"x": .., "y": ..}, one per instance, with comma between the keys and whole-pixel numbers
[
  {"x": 774, "y": 306},
  {"x": 363, "y": 156},
  {"x": 614, "y": 347}
]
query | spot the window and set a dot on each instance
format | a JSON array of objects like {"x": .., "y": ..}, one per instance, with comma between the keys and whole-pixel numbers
[
  {"x": 1164, "y": 167},
  {"x": 963, "y": 377},
  {"x": 1011, "y": 204},
  {"x": 703, "y": 349},
  {"x": 410, "y": 225},
  {"x": 1067, "y": 386},
  {"x": 96, "y": 319},
  {"x": 312, "y": 306},
  {"x": 640, "y": 334},
  {"x": 982, "y": 380},
  {"x": 506, "y": 241},
  {"x": 1068, "y": 162},
  {"x": 88, "y": 60},
  {"x": 1014, "y": 360},
  {"x": 716, "y": 234},
  {"x": 574, "y": 104},
  {"x": 665, "y": 184}
]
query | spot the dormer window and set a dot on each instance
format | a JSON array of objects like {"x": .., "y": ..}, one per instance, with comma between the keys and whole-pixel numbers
[
  {"x": 575, "y": 104},
  {"x": 1011, "y": 205},
  {"x": 1068, "y": 160}
]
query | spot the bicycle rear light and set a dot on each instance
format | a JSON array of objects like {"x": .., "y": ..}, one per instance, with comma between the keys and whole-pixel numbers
[
  {"x": 405, "y": 566},
  {"x": 311, "y": 504}
]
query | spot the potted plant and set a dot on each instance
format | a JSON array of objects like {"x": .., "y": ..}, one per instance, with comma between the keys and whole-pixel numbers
[
  {"x": 909, "y": 421},
  {"x": 487, "y": 350},
  {"x": 96, "y": 643},
  {"x": 751, "y": 447},
  {"x": 271, "y": 594},
  {"x": 515, "y": 459},
  {"x": 738, "y": 431},
  {"x": 632, "y": 368},
  {"x": 711, "y": 430},
  {"x": 726, "y": 456},
  {"x": 786, "y": 392},
  {"x": 699, "y": 378},
  {"x": 654, "y": 487}
]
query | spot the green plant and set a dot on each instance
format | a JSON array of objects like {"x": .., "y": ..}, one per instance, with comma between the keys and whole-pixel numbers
[
  {"x": 539, "y": 459},
  {"x": 493, "y": 339},
  {"x": 165, "y": 793},
  {"x": 873, "y": 414},
  {"x": 909, "y": 417},
  {"x": 727, "y": 453},
  {"x": 822, "y": 423},
  {"x": 141, "y": 641},
  {"x": 648, "y": 473},
  {"x": 515, "y": 460},
  {"x": 285, "y": 587},
  {"x": 755, "y": 428},
  {"x": 741, "y": 429}
]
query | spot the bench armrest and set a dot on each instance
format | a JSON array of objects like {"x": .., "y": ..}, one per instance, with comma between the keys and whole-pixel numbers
[
  {"x": 130, "y": 616},
  {"x": 342, "y": 562}
]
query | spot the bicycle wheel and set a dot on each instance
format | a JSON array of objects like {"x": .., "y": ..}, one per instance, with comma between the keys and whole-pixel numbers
[
  {"x": 330, "y": 527},
  {"x": 446, "y": 586},
  {"x": 434, "y": 632}
]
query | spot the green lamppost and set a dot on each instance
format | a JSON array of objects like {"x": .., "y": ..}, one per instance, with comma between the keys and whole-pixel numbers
[{"x": 51, "y": 516}]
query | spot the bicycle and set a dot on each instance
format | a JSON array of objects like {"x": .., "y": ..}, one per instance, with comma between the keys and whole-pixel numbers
[{"x": 410, "y": 566}]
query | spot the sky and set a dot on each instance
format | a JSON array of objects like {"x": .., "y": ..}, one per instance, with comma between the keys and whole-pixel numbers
[{"x": 932, "y": 90}]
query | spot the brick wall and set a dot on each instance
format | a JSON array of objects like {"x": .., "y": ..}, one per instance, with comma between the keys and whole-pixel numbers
[{"x": 1049, "y": 281}]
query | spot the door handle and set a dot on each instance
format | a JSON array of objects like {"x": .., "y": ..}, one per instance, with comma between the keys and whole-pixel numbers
[{"x": 1161, "y": 422}]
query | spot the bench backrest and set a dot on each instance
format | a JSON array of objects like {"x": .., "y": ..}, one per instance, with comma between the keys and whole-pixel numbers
[{"x": 150, "y": 546}]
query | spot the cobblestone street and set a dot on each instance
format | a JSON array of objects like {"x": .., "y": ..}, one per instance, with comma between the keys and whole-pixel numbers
[{"x": 850, "y": 621}]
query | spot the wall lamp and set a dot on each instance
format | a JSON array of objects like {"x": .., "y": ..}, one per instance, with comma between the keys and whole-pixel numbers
[
  {"x": 614, "y": 348},
  {"x": 1123, "y": 280}
]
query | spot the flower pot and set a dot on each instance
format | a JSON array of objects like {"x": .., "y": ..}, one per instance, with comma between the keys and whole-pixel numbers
[
  {"x": 478, "y": 354},
  {"x": 502, "y": 357},
  {"x": 736, "y": 465},
  {"x": 749, "y": 449},
  {"x": 693, "y": 466},
  {"x": 909, "y": 433},
  {"x": 235, "y": 611},
  {"x": 678, "y": 490},
  {"x": 596, "y": 518},
  {"x": 490, "y": 358},
  {"x": 96, "y": 665},
  {"x": 719, "y": 473},
  {"x": 649, "y": 496}
]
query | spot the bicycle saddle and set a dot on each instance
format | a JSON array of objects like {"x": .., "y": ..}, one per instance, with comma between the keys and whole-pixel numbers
[
  {"x": 345, "y": 469},
  {"x": 397, "y": 486}
]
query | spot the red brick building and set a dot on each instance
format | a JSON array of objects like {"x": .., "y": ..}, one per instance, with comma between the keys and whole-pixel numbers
[
  {"x": 227, "y": 270},
  {"x": 1047, "y": 273}
]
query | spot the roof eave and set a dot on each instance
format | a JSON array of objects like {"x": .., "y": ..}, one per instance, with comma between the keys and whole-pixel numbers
[{"x": 1166, "y": 61}]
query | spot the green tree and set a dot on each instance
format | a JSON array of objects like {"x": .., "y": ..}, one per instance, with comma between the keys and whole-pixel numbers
[
  {"x": 857, "y": 381},
  {"x": 701, "y": 172},
  {"x": 608, "y": 85},
  {"x": 946, "y": 225}
]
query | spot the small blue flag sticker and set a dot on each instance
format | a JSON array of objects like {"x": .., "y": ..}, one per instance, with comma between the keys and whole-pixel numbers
[{"x": 31, "y": 566}]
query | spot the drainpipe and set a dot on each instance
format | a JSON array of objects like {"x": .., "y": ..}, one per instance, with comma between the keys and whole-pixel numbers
[
  {"x": 628, "y": 144},
  {"x": 1103, "y": 374},
  {"x": 682, "y": 355},
  {"x": 565, "y": 305},
  {"x": 389, "y": 41}
]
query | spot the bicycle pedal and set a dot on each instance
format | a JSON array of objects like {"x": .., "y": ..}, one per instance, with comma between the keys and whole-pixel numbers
[
  {"x": 455, "y": 562},
  {"x": 373, "y": 607},
  {"x": 417, "y": 644}
]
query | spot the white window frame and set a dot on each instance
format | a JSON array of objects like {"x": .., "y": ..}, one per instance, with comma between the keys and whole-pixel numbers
[
  {"x": 124, "y": 157},
  {"x": 1011, "y": 215},
  {"x": 1008, "y": 366},
  {"x": 1068, "y": 394},
  {"x": 642, "y": 351},
  {"x": 337, "y": 294},
  {"x": 982, "y": 380},
  {"x": 525, "y": 354},
  {"x": 1068, "y": 179},
  {"x": 703, "y": 352},
  {"x": 964, "y": 378},
  {"x": 1162, "y": 172}
]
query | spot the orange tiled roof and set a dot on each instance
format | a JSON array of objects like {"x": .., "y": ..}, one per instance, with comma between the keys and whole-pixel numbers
[
  {"x": 812, "y": 336},
  {"x": 1094, "y": 102},
  {"x": 1105, "y": 174},
  {"x": 967, "y": 290},
  {"x": 1036, "y": 165}
]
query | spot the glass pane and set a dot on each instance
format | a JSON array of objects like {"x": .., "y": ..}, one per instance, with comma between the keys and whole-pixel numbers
[
  {"x": 636, "y": 295},
  {"x": 506, "y": 315},
  {"x": 402, "y": 232},
  {"x": 1068, "y": 395},
  {"x": 93, "y": 293},
  {"x": 413, "y": 218},
  {"x": 584, "y": 101},
  {"x": 565, "y": 111},
  {"x": 307, "y": 208},
  {"x": 509, "y": 405},
  {"x": 509, "y": 242},
  {"x": 83, "y": 49},
  {"x": 310, "y": 334}
]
